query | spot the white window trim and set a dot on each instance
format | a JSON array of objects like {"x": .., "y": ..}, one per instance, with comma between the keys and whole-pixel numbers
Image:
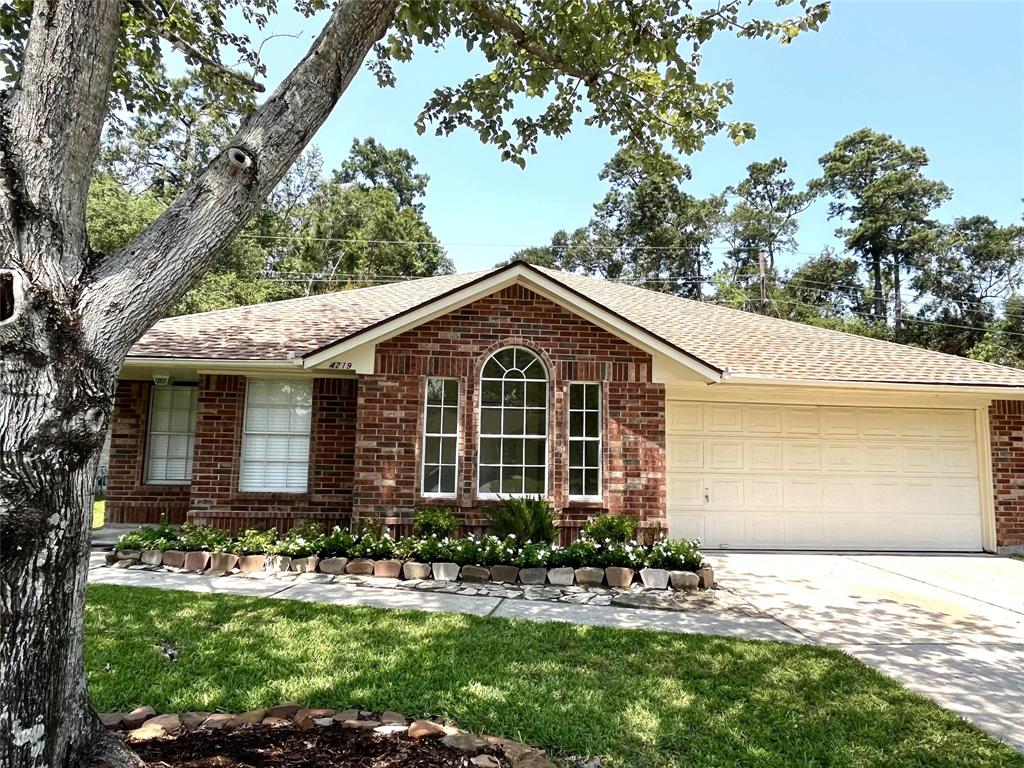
[
  {"x": 245, "y": 437},
  {"x": 546, "y": 493},
  {"x": 458, "y": 439},
  {"x": 599, "y": 440},
  {"x": 149, "y": 439}
]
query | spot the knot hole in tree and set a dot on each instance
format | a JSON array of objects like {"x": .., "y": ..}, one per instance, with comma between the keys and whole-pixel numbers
[
  {"x": 10, "y": 295},
  {"x": 239, "y": 161}
]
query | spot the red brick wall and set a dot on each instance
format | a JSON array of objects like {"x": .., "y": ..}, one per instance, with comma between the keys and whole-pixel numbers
[
  {"x": 215, "y": 498},
  {"x": 1006, "y": 420},
  {"x": 390, "y": 409},
  {"x": 129, "y": 499}
]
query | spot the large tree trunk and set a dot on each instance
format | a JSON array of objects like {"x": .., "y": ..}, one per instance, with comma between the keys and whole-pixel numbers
[
  {"x": 879, "y": 297},
  {"x": 76, "y": 315}
]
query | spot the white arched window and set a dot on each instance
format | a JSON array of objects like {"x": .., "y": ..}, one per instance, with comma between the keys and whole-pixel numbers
[{"x": 513, "y": 424}]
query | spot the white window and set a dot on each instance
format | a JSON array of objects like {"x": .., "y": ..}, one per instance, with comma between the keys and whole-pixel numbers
[
  {"x": 513, "y": 424},
  {"x": 275, "y": 441},
  {"x": 440, "y": 437},
  {"x": 585, "y": 441},
  {"x": 172, "y": 432}
]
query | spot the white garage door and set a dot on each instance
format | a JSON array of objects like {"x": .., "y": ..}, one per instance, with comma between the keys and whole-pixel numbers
[{"x": 822, "y": 477}]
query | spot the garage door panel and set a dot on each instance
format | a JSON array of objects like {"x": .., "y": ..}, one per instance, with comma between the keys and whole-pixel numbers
[{"x": 755, "y": 475}]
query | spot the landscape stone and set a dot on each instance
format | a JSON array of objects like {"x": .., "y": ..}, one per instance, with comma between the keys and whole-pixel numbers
[
  {"x": 475, "y": 573},
  {"x": 196, "y": 561},
  {"x": 387, "y": 569},
  {"x": 112, "y": 720},
  {"x": 445, "y": 571},
  {"x": 333, "y": 565},
  {"x": 485, "y": 761},
  {"x": 217, "y": 721},
  {"x": 536, "y": 576},
  {"x": 390, "y": 730},
  {"x": 304, "y": 564},
  {"x": 110, "y": 557},
  {"x": 654, "y": 578},
  {"x": 513, "y": 750},
  {"x": 617, "y": 576},
  {"x": 348, "y": 714},
  {"x": 277, "y": 722},
  {"x": 362, "y": 724},
  {"x": 157, "y": 727},
  {"x": 561, "y": 577},
  {"x": 125, "y": 563},
  {"x": 393, "y": 718},
  {"x": 252, "y": 563},
  {"x": 464, "y": 741},
  {"x": 706, "y": 574},
  {"x": 128, "y": 554},
  {"x": 314, "y": 713},
  {"x": 137, "y": 717},
  {"x": 422, "y": 728},
  {"x": 589, "y": 577},
  {"x": 223, "y": 562},
  {"x": 252, "y": 717},
  {"x": 191, "y": 721},
  {"x": 284, "y": 709},
  {"x": 278, "y": 563},
  {"x": 174, "y": 558},
  {"x": 504, "y": 573},
  {"x": 360, "y": 566},
  {"x": 412, "y": 570},
  {"x": 323, "y": 722},
  {"x": 151, "y": 557},
  {"x": 684, "y": 579}
]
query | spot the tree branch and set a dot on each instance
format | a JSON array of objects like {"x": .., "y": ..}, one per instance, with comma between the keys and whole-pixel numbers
[
  {"x": 133, "y": 288},
  {"x": 146, "y": 14}
]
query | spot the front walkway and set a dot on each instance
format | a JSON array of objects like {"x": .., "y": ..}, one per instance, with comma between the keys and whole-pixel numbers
[{"x": 949, "y": 627}]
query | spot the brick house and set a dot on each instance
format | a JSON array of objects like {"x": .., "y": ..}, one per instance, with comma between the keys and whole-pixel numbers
[{"x": 741, "y": 430}]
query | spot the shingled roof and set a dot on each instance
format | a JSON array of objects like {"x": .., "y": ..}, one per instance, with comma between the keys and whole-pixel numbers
[{"x": 744, "y": 344}]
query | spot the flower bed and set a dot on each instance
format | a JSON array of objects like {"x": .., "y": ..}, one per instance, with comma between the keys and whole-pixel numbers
[{"x": 588, "y": 561}]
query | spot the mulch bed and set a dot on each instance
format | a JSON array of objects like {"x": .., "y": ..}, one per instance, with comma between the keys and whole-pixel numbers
[{"x": 292, "y": 747}]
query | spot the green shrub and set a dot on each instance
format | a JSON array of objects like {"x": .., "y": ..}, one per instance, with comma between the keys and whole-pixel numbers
[
  {"x": 253, "y": 541},
  {"x": 581, "y": 553},
  {"x": 337, "y": 543},
  {"x": 301, "y": 540},
  {"x": 195, "y": 538},
  {"x": 431, "y": 549},
  {"x": 674, "y": 555},
  {"x": 374, "y": 547},
  {"x": 604, "y": 528},
  {"x": 623, "y": 554},
  {"x": 465, "y": 551},
  {"x": 162, "y": 537},
  {"x": 435, "y": 521},
  {"x": 533, "y": 554},
  {"x": 528, "y": 519},
  {"x": 496, "y": 551}
]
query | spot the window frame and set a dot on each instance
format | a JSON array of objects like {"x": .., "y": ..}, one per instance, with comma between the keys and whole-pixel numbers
[
  {"x": 146, "y": 479},
  {"x": 546, "y": 437},
  {"x": 569, "y": 439},
  {"x": 425, "y": 434},
  {"x": 245, "y": 436}
]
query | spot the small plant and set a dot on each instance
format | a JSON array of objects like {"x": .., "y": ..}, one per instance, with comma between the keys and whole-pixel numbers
[
  {"x": 162, "y": 537},
  {"x": 431, "y": 549},
  {"x": 208, "y": 538},
  {"x": 675, "y": 555},
  {"x": 253, "y": 541},
  {"x": 581, "y": 554},
  {"x": 622, "y": 554},
  {"x": 435, "y": 521},
  {"x": 301, "y": 540},
  {"x": 337, "y": 543},
  {"x": 533, "y": 555},
  {"x": 374, "y": 547},
  {"x": 605, "y": 528},
  {"x": 528, "y": 519},
  {"x": 466, "y": 551},
  {"x": 495, "y": 551}
]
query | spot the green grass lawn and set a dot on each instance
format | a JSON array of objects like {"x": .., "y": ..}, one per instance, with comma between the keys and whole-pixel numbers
[
  {"x": 98, "y": 508},
  {"x": 633, "y": 698}
]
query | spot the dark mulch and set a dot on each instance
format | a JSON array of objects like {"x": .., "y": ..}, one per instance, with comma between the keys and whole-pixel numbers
[{"x": 284, "y": 747}]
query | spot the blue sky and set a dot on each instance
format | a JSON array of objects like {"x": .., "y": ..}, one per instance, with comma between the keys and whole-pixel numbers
[{"x": 948, "y": 76}]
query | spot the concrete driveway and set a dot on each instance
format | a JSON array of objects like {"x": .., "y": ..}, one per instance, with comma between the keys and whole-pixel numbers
[{"x": 950, "y": 627}]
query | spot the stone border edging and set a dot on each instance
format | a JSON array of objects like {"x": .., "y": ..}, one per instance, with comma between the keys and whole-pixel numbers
[{"x": 143, "y": 724}]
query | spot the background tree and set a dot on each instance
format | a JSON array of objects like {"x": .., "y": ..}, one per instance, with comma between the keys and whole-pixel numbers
[
  {"x": 1003, "y": 339},
  {"x": 74, "y": 312},
  {"x": 877, "y": 183}
]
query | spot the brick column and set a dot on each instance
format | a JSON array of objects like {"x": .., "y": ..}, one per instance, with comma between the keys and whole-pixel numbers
[{"x": 1006, "y": 425}]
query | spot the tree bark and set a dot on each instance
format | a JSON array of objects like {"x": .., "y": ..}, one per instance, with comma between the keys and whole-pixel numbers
[
  {"x": 879, "y": 298},
  {"x": 78, "y": 312}
]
